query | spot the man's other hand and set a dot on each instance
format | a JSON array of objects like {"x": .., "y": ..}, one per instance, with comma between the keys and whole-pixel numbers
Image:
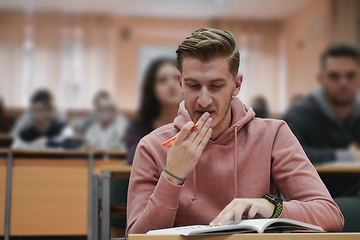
[{"x": 247, "y": 207}]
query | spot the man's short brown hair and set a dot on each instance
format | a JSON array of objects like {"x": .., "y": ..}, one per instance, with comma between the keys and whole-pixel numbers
[{"x": 207, "y": 44}]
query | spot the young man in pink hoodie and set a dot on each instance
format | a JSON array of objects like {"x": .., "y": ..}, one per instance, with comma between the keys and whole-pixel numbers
[{"x": 228, "y": 165}]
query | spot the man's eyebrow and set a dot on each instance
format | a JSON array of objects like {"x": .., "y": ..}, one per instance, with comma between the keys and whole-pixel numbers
[
  {"x": 218, "y": 80},
  {"x": 190, "y": 80},
  {"x": 213, "y": 80}
]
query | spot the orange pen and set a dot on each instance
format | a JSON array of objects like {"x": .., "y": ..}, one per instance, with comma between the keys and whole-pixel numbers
[{"x": 169, "y": 142}]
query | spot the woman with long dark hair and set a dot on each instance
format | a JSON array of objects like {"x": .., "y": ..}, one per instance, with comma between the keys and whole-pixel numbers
[{"x": 160, "y": 99}]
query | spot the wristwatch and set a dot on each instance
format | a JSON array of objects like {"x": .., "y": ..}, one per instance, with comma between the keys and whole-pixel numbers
[{"x": 278, "y": 202}]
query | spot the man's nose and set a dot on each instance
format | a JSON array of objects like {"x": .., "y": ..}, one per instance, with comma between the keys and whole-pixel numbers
[{"x": 205, "y": 98}]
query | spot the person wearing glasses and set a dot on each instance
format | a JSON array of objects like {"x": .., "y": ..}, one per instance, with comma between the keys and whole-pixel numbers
[{"x": 327, "y": 121}]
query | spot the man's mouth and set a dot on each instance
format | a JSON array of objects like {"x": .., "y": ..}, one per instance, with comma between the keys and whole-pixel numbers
[{"x": 212, "y": 112}]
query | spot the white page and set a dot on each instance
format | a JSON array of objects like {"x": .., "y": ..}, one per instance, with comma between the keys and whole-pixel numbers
[
  {"x": 257, "y": 225},
  {"x": 251, "y": 224}
]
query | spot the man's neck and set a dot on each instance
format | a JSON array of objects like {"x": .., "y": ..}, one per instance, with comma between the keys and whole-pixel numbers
[
  {"x": 343, "y": 112},
  {"x": 222, "y": 126},
  {"x": 167, "y": 115},
  {"x": 43, "y": 127}
]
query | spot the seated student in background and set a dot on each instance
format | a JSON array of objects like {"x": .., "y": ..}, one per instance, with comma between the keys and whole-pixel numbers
[
  {"x": 108, "y": 130},
  {"x": 26, "y": 119},
  {"x": 4, "y": 125},
  {"x": 260, "y": 107},
  {"x": 327, "y": 121},
  {"x": 81, "y": 124},
  {"x": 44, "y": 131},
  {"x": 160, "y": 101},
  {"x": 224, "y": 168}
]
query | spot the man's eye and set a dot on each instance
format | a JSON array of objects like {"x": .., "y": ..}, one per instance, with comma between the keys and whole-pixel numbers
[
  {"x": 216, "y": 86},
  {"x": 193, "y": 86}
]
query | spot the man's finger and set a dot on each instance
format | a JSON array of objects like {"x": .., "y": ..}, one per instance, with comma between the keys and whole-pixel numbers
[
  {"x": 181, "y": 136},
  {"x": 205, "y": 140},
  {"x": 240, "y": 209},
  {"x": 254, "y": 209},
  {"x": 202, "y": 132},
  {"x": 224, "y": 211},
  {"x": 220, "y": 221},
  {"x": 201, "y": 122}
]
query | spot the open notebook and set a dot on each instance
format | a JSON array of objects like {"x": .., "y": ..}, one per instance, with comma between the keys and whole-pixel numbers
[{"x": 248, "y": 225}]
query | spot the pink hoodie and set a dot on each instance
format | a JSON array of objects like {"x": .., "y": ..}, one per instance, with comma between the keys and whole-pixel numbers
[{"x": 246, "y": 161}]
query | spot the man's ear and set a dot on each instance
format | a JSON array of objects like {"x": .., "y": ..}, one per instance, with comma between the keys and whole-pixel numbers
[
  {"x": 238, "y": 82},
  {"x": 180, "y": 82}
]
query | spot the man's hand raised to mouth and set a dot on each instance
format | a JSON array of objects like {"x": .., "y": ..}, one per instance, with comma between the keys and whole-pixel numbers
[{"x": 185, "y": 152}]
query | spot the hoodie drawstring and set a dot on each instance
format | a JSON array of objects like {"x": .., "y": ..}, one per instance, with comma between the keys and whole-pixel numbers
[
  {"x": 235, "y": 164},
  {"x": 235, "y": 171},
  {"x": 194, "y": 185}
]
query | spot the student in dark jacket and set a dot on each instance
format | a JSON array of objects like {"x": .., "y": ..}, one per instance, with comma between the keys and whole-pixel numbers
[
  {"x": 327, "y": 121},
  {"x": 44, "y": 132},
  {"x": 161, "y": 96}
]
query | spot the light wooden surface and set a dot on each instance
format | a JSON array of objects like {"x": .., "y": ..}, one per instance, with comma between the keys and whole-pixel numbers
[
  {"x": 337, "y": 168},
  {"x": 119, "y": 171},
  {"x": 98, "y": 154},
  {"x": 255, "y": 236},
  {"x": 49, "y": 200}
]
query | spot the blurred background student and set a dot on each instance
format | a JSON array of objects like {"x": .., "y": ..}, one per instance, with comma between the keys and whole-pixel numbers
[
  {"x": 260, "y": 107},
  {"x": 4, "y": 126},
  {"x": 107, "y": 126},
  {"x": 327, "y": 121},
  {"x": 160, "y": 101},
  {"x": 27, "y": 116},
  {"x": 43, "y": 130}
]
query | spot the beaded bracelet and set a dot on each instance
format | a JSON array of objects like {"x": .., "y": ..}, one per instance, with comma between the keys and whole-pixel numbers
[{"x": 179, "y": 178}]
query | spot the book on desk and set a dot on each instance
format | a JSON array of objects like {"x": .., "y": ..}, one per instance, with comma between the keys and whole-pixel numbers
[{"x": 245, "y": 226}]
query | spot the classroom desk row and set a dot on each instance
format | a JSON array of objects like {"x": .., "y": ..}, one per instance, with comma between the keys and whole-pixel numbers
[
  {"x": 49, "y": 193},
  {"x": 52, "y": 193}
]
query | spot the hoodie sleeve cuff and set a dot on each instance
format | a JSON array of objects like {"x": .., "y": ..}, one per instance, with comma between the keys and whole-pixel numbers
[
  {"x": 290, "y": 210},
  {"x": 167, "y": 193},
  {"x": 344, "y": 155}
]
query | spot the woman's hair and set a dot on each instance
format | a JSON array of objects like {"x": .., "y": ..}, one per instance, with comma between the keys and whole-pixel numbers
[{"x": 150, "y": 105}]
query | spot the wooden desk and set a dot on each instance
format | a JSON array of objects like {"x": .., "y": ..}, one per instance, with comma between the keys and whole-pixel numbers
[
  {"x": 339, "y": 168},
  {"x": 255, "y": 236},
  {"x": 3, "y": 168},
  {"x": 340, "y": 179},
  {"x": 51, "y": 191},
  {"x": 120, "y": 171}
]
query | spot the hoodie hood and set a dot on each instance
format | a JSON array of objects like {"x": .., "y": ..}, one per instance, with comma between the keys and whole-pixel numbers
[
  {"x": 241, "y": 114},
  {"x": 318, "y": 95}
]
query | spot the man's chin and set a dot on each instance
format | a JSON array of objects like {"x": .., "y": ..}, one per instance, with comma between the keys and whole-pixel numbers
[{"x": 342, "y": 102}]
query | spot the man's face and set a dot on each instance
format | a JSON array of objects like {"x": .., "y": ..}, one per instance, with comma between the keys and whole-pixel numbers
[
  {"x": 208, "y": 87},
  {"x": 40, "y": 114},
  {"x": 106, "y": 112},
  {"x": 341, "y": 79}
]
